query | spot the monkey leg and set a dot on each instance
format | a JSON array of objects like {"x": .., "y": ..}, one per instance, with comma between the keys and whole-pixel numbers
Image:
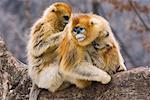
[
  {"x": 42, "y": 45},
  {"x": 47, "y": 77},
  {"x": 64, "y": 85},
  {"x": 82, "y": 83}
]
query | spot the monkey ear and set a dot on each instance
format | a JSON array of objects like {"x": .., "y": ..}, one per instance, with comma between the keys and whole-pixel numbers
[
  {"x": 93, "y": 21},
  {"x": 53, "y": 9},
  {"x": 106, "y": 33},
  {"x": 50, "y": 9}
]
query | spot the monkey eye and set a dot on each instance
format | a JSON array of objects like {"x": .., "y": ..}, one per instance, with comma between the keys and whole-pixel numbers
[
  {"x": 66, "y": 17},
  {"x": 81, "y": 28},
  {"x": 109, "y": 46},
  {"x": 75, "y": 29}
]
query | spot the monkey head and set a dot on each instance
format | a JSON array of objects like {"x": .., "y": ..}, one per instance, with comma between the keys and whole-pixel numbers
[
  {"x": 59, "y": 13},
  {"x": 85, "y": 28}
]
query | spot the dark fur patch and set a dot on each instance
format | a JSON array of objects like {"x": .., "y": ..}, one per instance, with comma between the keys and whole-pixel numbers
[{"x": 37, "y": 44}]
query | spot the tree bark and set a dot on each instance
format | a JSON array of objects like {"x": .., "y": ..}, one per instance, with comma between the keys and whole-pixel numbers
[{"x": 15, "y": 84}]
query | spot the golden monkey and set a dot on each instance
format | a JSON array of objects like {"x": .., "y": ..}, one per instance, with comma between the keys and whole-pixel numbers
[
  {"x": 75, "y": 65},
  {"x": 106, "y": 52},
  {"x": 44, "y": 40}
]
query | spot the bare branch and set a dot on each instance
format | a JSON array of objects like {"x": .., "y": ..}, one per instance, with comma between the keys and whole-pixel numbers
[
  {"x": 131, "y": 81},
  {"x": 138, "y": 15},
  {"x": 27, "y": 12}
]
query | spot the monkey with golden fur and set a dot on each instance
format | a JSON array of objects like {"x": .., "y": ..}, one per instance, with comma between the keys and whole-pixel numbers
[
  {"x": 106, "y": 52},
  {"x": 76, "y": 65},
  {"x": 103, "y": 52},
  {"x": 44, "y": 39}
]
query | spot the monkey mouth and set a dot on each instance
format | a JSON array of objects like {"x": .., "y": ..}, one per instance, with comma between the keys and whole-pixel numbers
[{"x": 80, "y": 37}]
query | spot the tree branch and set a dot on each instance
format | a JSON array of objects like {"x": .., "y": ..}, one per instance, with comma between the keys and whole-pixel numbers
[
  {"x": 138, "y": 15},
  {"x": 130, "y": 85}
]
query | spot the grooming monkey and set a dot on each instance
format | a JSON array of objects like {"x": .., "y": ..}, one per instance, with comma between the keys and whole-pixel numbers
[
  {"x": 75, "y": 64},
  {"x": 44, "y": 39}
]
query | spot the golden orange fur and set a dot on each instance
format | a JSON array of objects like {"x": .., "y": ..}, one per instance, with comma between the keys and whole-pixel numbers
[
  {"x": 44, "y": 39},
  {"x": 75, "y": 66},
  {"x": 108, "y": 56}
]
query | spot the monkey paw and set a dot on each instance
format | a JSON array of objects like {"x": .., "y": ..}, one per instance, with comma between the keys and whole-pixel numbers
[{"x": 106, "y": 79}]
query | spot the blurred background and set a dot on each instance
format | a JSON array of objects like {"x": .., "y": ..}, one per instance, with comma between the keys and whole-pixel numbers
[{"x": 129, "y": 19}]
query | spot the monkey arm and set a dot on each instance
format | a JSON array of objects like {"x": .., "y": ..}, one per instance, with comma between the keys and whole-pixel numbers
[
  {"x": 86, "y": 71},
  {"x": 43, "y": 36},
  {"x": 42, "y": 44}
]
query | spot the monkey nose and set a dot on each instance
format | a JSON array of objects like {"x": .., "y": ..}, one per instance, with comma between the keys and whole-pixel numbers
[
  {"x": 78, "y": 30},
  {"x": 66, "y": 18}
]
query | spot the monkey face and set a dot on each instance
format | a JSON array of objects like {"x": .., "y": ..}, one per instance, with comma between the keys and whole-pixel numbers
[
  {"x": 85, "y": 28},
  {"x": 61, "y": 12},
  {"x": 109, "y": 51}
]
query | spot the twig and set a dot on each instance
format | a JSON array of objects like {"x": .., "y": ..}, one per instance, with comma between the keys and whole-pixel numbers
[
  {"x": 27, "y": 12},
  {"x": 148, "y": 17},
  {"x": 95, "y": 5},
  {"x": 138, "y": 15}
]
